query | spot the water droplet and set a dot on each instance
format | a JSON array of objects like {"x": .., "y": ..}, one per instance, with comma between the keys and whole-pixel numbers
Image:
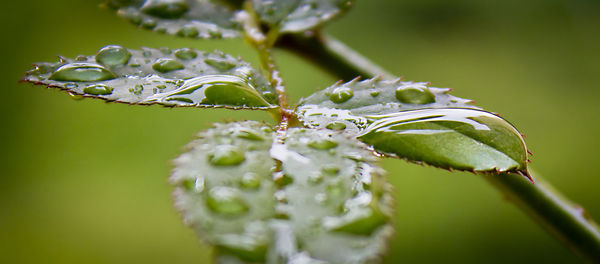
[
  {"x": 194, "y": 184},
  {"x": 186, "y": 54},
  {"x": 81, "y": 58},
  {"x": 358, "y": 221},
  {"x": 266, "y": 129},
  {"x": 341, "y": 94},
  {"x": 374, "y": 93},
  {"x": 336, "y": 126},
  {"x": 148, "y": 23},
  {"x": 269, "y": 96},
  {"x": 82, "y": 72},
  {"x": 113, "y": 55},
  {"x": 248, "y": 134},
  {"x": 137, "y": 90},
  {"x": 323, "y": 144},
  {"x": 220, "y": 65},
  {"x": 187, "y": 31},
  {"x": 414, "y": 95},
  {"x": 215, "y": 34},
  {"x": 334, "y": 188},
  {"x": 226, "y": 201},
  {"x": 321, "y": 198},
  {"x": 167, "y": 65},
  {"x": 42, "y": 68},
  {"x": 226, "y": 155},
  {"x": 250, "y": 180},
  {"x": 165, "y": 50},
  {"x": 165, "y": 8},
  {"x": 315, "y": 178},
  {"x": 147, "y": 53},
  {"x": 71, "y": 85},
  {"x": 331, "y": 169},
  {"x": 98, "y": 89}
]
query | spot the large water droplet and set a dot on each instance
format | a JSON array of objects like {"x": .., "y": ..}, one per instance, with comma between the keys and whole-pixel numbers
[
  {"x": 113, "y": 55},
  {"x": 341, "y": 94},
  {"x": 188, "y": 31},
  {"x": 336, "y": 126},
  {"x": 226, "y": 155},
  {"x": 98, "y": 89},
  {"x": 186, "y": 54},
  {"x": 358, "y": 221},
  {"x": 220, "y": 65},
  {"x": 165, "y": 8},
  {"x": 226, "y": 201},
  {"x": 323, "y": 144},
  {"x": 250, "y": 180},
  {"x": 82, "y": 72},
  {"x": 248, "y": 134},
  {"x": 414, "y": 95},
  {"x": 167, "y": 65}
]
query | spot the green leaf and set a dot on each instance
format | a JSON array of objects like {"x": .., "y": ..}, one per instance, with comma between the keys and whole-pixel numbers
[
  {"x": 452, "y": 138},
  {"x": 418, "y": 123},
  {"x": 316, "y": 196},
  {"x": 185, "y": 18},
  {"x": 299, "y": 15},
  {"x": 183, "y": 77}
]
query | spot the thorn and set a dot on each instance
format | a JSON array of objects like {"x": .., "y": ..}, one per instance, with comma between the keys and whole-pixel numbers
[
  {"x": 522, "y": 135},
  {"x": 526, "y": 175},
  {"x": 529, "y": 152}
]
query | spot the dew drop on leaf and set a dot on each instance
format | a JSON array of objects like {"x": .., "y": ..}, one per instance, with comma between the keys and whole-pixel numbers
[
  {"x": 82, "y": 72},
  {"x": 341, "y": 94},
  {"x": 336, "y": 126},
  {"x": 220, "y": 64},
  {"x": 188, "y": 31},
  {"x": 98, "y": 89},
  {"x": 250, "y": 180},
  {"x": 165, "y": 8},
  {"x": 226, "y": 201},
  {"x": 166, "y": 65},
  {"x": 357, "y": 221},
  {"x": 226, "y": 155},
  {"x": 113, "y": 55},
  {"x": 414, "y": 95},
  {"x": 323, "y": 144},
  {"x": 186, "y": 54}
]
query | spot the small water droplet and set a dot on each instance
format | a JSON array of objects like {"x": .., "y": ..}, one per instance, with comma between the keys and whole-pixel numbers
[
  {"x": 331, "y": 169},
  {"x": 186, "y": 54},
  {"x": 98, "y": 89},
  {"x": 165, "y": 50},
  {"x": 165, "y": 8},
  {"x": 250, "y": 180},
  {"x": 341, "y": 94},
  {"x": 248, "y": 134},
  {"x": 81, "y": 58},
  {"x": 113, "y": 55},
  {"x": 315, "y": 178},
  {"x": 282, "y": 179},
  {"x": 148, "y": 23},
  {"x": 82, "y": 72},
  {"x": 137, "y": 90},
  {"x": 269, "y": 96},
  {"x": 414, "y": 95},
  {"x": 147, "y": 53},
  {"x": 165, "y": 65},
  {"x": 321, "y": 198},
  {"x": 71, "y": 85},
  {"x": 335, "y": 189},
  {"x": 226, "y": 155},
  {"x": 194, "y": 184},
  {"x": 323, "y": 144},
  {"x": 226, "y": 201},
  {"x": 336, "y": 126},
  {"x": 374, "y": 93},
  {"x": 188, "y": 31},
  {"x": 220, "y": 65},
  {"x": 266, "y": 129}
]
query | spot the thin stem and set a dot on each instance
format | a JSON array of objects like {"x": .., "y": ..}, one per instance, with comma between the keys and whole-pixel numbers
[
  {"x": 567, "y": 222},
  {"x": 332, "y": 55}
]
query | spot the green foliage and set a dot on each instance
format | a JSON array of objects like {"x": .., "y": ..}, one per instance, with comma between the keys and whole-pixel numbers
[
  {"x": 259, "y": 199},
  {"x": 218, "y": 19},
  {"x": 300, "y": 192},
  {"x": 418, "y": 123},
  {"x": 182, "y": 77}
]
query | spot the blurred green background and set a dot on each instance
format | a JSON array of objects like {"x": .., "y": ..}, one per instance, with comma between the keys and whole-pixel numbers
[{"x": 85, "y": 181}]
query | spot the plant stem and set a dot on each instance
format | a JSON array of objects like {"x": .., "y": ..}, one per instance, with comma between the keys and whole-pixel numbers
[
  {"x": 566, "y": 221},
  {"x": 332, "y": 55}
]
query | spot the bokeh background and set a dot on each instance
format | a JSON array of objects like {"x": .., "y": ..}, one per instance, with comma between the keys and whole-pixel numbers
[{"x": 85, "y": 181}]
